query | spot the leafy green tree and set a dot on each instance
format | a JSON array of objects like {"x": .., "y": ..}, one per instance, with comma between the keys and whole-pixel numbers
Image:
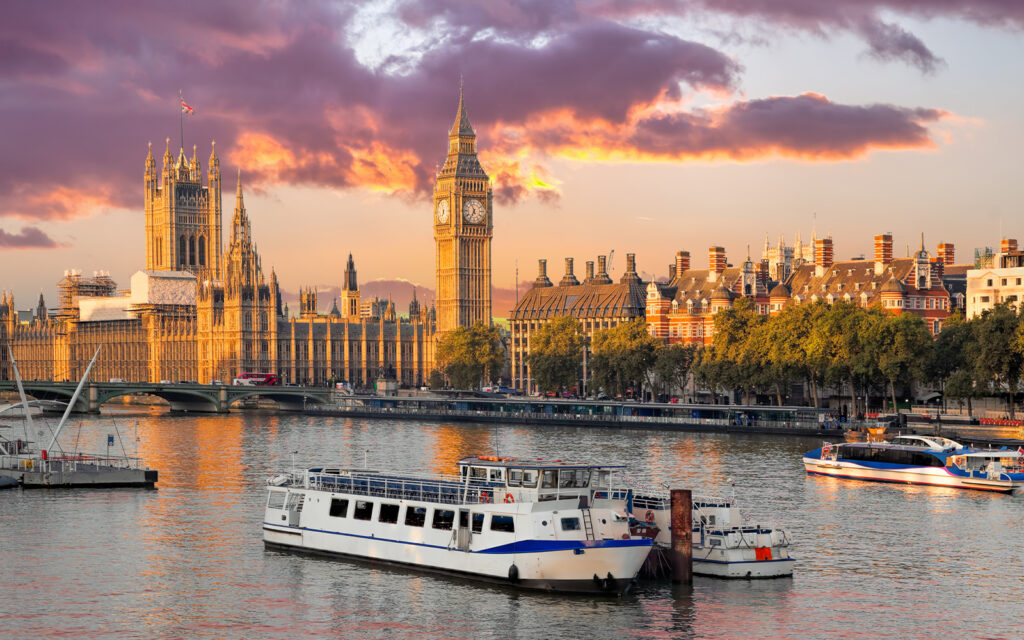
[
  {"x": 711, "y": 372},
  {"x": 949, "y": 355},
  {"x": 622, "y": 357},
  {"x": 436, "y": 380},
  {"x": 996, "y": 355},
  {"x": 902, "y": 344},
  {"x": 556, "y": 354},
  {"x": 780, "y": 346},
  {"x": 468, "y": 355},
  {"x": 673, "y": 365},
  {"x": 734, "y": 328},
  {"x": 960, "y": 387}
]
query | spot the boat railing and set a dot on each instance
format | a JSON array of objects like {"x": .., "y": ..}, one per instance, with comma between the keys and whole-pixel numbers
[
  {"x": 438, "y": 490},
  {"x": 64, "y": 463}
]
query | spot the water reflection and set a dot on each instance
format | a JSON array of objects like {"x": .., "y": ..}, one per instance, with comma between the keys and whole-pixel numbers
[{"x": 187, "y": 560}]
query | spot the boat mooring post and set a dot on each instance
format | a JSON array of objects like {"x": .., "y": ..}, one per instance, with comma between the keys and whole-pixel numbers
[{"x": 682, "y": 536}]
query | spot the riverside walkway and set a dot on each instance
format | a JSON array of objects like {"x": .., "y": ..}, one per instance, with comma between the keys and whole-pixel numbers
[{"x": 803, "y": 421}]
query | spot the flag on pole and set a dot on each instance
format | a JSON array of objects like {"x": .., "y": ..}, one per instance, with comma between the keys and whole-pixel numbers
[{"x": 185, "y": 108}]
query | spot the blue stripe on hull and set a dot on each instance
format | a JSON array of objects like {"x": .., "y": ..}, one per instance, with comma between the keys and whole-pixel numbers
[{"x": 521, "y": 546}]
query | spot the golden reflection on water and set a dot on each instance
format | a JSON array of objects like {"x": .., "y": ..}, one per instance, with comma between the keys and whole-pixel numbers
[{"x": 448, "y": 443}]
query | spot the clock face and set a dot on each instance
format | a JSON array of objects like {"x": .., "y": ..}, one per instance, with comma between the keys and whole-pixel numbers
[
  {"x": 442, "y": 211},
  {"x": 473, "y": 211}
]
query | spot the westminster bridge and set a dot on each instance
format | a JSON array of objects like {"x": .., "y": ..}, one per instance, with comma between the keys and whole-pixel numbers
[{"x": 182, "y": 396}]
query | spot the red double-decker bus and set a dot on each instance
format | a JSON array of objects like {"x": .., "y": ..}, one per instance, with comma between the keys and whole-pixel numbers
[{"x": 257, "y": 379}]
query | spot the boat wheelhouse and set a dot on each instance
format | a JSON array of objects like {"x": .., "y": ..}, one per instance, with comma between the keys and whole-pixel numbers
[
  {"x": 916, "y": 459},
  {"x": 551, "y": 525}
]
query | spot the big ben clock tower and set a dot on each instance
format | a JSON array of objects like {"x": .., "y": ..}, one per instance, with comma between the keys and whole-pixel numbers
[{"x": 463, "y": 226}]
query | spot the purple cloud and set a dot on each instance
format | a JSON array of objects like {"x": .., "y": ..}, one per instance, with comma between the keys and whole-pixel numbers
[{"x": 27, "y": 238}]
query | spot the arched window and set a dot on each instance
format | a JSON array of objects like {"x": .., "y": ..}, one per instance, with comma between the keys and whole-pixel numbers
[
  {"x": 192, "y": 251},
  {"x": 202, "y": 251},
  {"x": 182, "y": 248},
  {"x": 746, "y": 289}
]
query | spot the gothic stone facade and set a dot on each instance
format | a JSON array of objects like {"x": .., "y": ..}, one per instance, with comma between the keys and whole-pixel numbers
[{"x": 198, "y": 313}]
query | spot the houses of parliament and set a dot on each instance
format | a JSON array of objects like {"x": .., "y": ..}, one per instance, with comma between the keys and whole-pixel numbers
[{"x": 204, "y": 311}]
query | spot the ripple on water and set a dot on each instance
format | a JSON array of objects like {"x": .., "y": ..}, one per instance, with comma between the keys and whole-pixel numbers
[{"x": 186, "y": 560}]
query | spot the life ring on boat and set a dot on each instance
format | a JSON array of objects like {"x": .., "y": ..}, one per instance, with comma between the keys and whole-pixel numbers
[
  {"x": 485, "y": 497},
  {"x": 649, "y": 517},
  {"x": 509, "y": 498}
]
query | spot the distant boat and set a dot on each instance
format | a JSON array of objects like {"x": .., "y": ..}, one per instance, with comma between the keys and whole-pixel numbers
[
  {"x": 29, "y": 466},
  {"x": 916, "y": 459}
]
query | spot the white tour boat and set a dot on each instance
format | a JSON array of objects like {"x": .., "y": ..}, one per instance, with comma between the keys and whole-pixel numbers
[
  {"x": 724, "y": 544},
  {"x": 534, "y": 524},
  {"x": 917, "y": 459}
]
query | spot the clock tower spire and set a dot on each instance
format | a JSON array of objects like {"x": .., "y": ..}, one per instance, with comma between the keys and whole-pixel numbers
[{"x": 463, "y": 227}]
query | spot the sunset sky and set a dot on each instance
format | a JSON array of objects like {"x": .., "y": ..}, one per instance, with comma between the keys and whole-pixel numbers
[{"x": 642, "y": 126}]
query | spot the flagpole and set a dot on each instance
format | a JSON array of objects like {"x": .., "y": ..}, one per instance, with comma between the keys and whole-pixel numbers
[{"x": 181, "y": 118}]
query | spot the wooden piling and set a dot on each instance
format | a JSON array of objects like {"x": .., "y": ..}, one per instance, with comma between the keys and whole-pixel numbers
[{"x": 682, "y": 536}]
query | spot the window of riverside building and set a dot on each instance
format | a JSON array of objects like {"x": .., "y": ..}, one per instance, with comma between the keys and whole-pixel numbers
[
  {"x": 339, "y": 508},
  {"x": 570, "y": 524},
  {"x": 363, "y": 510},
  {"x": 478, "y": 522},
  {"x": 989, "y": 282},
  {"x": 503, "y": 523},
  {"x": 388, "y": 513},
  {"x": 443, "y": 519},
  {"x": 415, "y": 516}
]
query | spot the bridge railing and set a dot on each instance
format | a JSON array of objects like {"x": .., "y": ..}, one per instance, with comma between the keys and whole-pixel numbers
[{"x": 810, "y": 425}]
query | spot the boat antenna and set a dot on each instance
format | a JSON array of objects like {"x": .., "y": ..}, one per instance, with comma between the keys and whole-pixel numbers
[
  {"x": 74, "y": 398},
  {"x": 21, "y": 392}
]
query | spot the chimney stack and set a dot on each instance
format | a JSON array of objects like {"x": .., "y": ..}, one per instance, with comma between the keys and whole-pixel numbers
[
  {"x": 590, "y": 272},
  {"x": 569, "y": 279},
  {"x": 946, "y": 253},
  {"x": 671, "y": 272},
  {"x": 542, "y": 274},
  {"x": 1008, "y": 245},
  {"x": 716, "y": 263},
  {"x": 682, "y": 263},
  {"x": 823, "y": 256},
  {"x": 630, "y": 274},
  {"x": 883, "y": 249},
  {"x": 602, "y": 276}
]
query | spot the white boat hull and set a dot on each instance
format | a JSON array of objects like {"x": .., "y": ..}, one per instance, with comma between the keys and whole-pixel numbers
[
  {"x": 529, "y": 558},
  {"x": 933, "y": 476}
]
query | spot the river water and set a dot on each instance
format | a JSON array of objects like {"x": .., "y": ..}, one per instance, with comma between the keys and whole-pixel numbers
[{"x": 187, "y": 560}]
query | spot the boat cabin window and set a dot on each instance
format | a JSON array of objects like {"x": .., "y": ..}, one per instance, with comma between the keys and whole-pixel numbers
[
  {"x": 363, "y": 510},
  {"x": 529, "y": 478},
  {"x": 547, "y": 479},
  {"x": 478, "y": 522},
  {"x": 415, "y": 516},
  {"x": 515, "y": 477},
  {"x": 443, "y": 519},
  {"x": 276, "y": 499},
  {"x": 388, "y": 513},
  {"x": 339, "y": 508},
  {"x": 478, "y": 473},
  {"x": 603, "y": 478},
  {"x": 497, "y": 475},
  {"x": 570, "y": 524},
  {"x": 573, "y": 478},
  {"x": 503, "y": 523}
]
